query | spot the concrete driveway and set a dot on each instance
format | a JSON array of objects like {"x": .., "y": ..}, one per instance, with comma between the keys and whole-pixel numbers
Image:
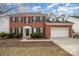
[{"x": 70, "y": 45}]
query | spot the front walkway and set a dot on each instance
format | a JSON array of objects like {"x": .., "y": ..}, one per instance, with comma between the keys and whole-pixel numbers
[
  {"x": 70, "y": 45},
  {"x": 34, "y": 40}
]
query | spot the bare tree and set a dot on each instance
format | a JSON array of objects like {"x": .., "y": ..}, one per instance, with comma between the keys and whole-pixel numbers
[{"x": 4, "y": 7}]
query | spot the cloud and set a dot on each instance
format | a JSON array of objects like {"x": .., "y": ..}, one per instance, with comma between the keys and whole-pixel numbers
[
  {"x": 66, "y": 9},
  {"x": 51, "y": 5},
  {"x": 67, "y": 4},
  {"x": 22, "y": 9},
  {"x": 36, "y": 8}
]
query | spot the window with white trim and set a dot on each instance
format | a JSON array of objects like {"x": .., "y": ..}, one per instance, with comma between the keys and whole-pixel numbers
[
  {"x": 37, "y": 29},
  {"x": 13, "y": 30},
  {"x": 34, "y": 19},
  {"x": 19, "y": 19},
  {"x": 41, "y": 19},
  {"x": 13, "y": 19},
  {"x": 27, "y": 20},
  {"x": 19, "y": 29},
  {"x": 41, "y": 29}
]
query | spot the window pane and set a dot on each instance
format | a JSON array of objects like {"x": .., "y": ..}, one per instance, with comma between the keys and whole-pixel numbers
[
  {"x": 19, "y": 19},
  {"x": 34, "y": 19},
  {"x": 41, "y": 18},
  {"x": 13, "y": 19},
  {"x": 38, "y": 29},
  {"x": 34, "y": 30},
  {"x": 41, "y": 29},
  {"x": 19, "y": 29},
  {"x": 27, "y": 20},
  {"x": 13, "y": 30}
]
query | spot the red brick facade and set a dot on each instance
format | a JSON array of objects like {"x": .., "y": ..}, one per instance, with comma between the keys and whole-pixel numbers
[{"x": 46, "y": 28}]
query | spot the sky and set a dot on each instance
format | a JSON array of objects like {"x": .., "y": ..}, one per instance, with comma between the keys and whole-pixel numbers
[{"x": 55, "y": 8}]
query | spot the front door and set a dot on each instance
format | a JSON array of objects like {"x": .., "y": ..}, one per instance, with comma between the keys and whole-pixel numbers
[{"x": 27, "y": 32}]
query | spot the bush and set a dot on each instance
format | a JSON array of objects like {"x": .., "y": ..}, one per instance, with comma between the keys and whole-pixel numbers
[
  {"x": 17, "y": 36},
  {"x": 3, "y": 35},
  {"x": 36, "y": 35}
]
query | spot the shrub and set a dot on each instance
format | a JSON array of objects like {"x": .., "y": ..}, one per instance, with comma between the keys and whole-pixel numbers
[
  {"x": 3, "y": 34},
  {"x": 17, "y": 35},
  {"x": 36, "y": 35}
]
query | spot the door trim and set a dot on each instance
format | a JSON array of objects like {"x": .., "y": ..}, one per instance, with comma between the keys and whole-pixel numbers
[{"x": 24, "y": 31}]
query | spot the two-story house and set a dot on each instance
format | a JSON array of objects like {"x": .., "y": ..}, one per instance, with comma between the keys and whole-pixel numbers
[{"x": 37, "y": 22}]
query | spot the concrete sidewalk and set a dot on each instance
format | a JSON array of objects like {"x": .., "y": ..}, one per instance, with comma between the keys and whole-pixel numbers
[
  {"x": 70, "y": 45},
  {"x": 24, "y": 40}
]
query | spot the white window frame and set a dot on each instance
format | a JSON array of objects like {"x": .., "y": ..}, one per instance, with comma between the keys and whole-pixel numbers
[
  {"x": 27, "y": 20},
  {"x": 13, "y": 30},
  {"x": 13, "y": 19},
  {"x": 34, "y": 19},
  {"x": 34, "y": 30},
  {"x": 19, "y": 30},
  {"x": 41, "y": 18},
  {"x": 41, "y": 29},
  {"x": 19, "y": 19}
]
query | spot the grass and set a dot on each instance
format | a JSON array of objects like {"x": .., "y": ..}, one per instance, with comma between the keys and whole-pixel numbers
[{"x": 17, "y": 48}]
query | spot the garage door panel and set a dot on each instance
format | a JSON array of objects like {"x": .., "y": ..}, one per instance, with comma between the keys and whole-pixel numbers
[{"x": 59, "y": 32}]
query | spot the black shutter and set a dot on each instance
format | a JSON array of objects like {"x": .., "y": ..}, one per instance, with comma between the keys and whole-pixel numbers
[
  {"x": 39, "y": 29},
  {"x": 32, "y": 29},
  {"x": 24, "y": 19},
  {"x": 15, "y": 30},
  {"x": 11, "y": 19},
  {"x": 21, "y": 30},
  {"x": 29, "y": 19},
  {"x": 10, "y": 30},
  {"x": 32, "y": 18},
  {"x": 21, "y": 19},
  {"x": 15, "y": 19},
  {"x": 43, "y": 19}
]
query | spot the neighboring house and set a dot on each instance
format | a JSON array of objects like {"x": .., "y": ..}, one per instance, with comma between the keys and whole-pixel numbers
[
  {"x": 75, "y": 20},
  {"x": 36, "y": 22},
  {"x": 4, "y": 24}
]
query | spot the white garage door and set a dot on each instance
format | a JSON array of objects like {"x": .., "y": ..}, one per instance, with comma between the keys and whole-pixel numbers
[{"x": 59, "y": 32}]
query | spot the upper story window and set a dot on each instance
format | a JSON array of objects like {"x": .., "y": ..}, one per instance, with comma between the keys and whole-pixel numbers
[
  {"x": 41, "y": 19},
  {"x": 19, "y": 19},
  {"x": 34, "y": 19},
  {"x": 12, "y": 19},
  {"x": 38, "y": 19},
  {"x": 26, "y": 20}
]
